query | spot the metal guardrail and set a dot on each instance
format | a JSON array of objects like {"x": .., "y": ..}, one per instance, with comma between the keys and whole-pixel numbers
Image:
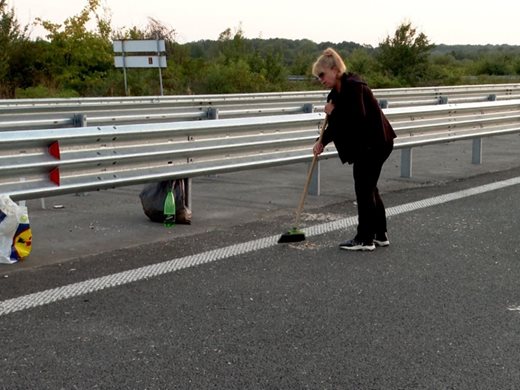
[
  {"x": 408, "y": 97},
  {"x": 46, "y": 162},
  {"x": 420, "y": 126},
  {"x": 428, "y": 95},
  {"x": 58, "y": 113}
]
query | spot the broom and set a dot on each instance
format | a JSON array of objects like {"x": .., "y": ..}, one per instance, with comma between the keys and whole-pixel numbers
[{"x": 295, "y": 234}]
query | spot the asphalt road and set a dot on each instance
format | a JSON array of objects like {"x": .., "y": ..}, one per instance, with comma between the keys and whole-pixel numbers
[{"x": 220, "y": 305}]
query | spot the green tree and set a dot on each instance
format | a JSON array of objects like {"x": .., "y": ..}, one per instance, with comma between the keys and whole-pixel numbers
[
  {"x": 80, "y": 60},
  {"x": 76, "y": 61},
  {"x": 274, "y": 71},
  {"x": 445, "y": 69},
  {"x": 360, "y": 61},
  {"x": 405, "y": 56},
  {"x": 13, "y": 42},
  {"x": 239, "y": 68},
  {"x": 300, "y": 59},
  {"x": 232, "y": 46},
  {"x": 496, "y": 64},
  {"x": 234, "y": 77}
]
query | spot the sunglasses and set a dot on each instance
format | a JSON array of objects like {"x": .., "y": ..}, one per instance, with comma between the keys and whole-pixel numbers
[{"x": 321, "y": 75}]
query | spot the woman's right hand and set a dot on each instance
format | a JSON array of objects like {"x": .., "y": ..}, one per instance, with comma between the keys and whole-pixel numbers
[{"x": 329, "y": 107}]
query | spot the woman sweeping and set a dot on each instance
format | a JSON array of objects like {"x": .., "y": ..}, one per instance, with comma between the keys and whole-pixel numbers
[{"x": 363, "y": 137}]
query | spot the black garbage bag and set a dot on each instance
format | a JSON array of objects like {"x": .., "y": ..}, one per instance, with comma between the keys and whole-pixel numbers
[{"x": 152, "y": 199}]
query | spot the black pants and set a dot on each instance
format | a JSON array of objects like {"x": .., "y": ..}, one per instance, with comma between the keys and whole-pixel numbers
[{"x": 371, "y": 210}]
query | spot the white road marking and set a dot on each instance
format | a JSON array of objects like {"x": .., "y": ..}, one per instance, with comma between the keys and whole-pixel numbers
[{"x": 88, "y": 286}]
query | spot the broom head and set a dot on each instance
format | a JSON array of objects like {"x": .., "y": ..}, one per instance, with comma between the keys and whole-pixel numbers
[{"x": 293, "y": 235}]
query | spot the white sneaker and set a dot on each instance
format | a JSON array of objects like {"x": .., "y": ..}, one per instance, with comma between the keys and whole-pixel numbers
[
  {"x": 354, "y": 245},
  {"x": 381, "y": 240}
]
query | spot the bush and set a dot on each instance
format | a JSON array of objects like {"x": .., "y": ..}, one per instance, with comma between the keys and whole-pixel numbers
[{"x": 40, "y": 92}]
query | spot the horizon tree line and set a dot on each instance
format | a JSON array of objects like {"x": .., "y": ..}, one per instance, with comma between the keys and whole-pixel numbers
[{"x": 73, "y": 61}]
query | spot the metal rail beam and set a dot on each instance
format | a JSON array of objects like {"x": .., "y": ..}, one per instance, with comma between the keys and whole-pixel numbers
[{"x": 47, "y": 162}]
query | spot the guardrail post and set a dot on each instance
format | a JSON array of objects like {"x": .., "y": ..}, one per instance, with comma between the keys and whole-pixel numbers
[
  {"x": 492, "y": 97},
  {"x": 22, "y": 202},
  {"x": 187, "y": 191},
  {"x": 406, "y": 162},
  {"x": 314, "y": 186},
  {"x": 78, "y": 120},
  {"x": 442, "y": 100},
  {"x": 476, "y": 155},
  {"x": 383, "y": 103},
  {"x": 212, "y": 113}
]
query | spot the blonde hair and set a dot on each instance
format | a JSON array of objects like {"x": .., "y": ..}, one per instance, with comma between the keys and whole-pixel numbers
[{"x": 329, "y": 59}]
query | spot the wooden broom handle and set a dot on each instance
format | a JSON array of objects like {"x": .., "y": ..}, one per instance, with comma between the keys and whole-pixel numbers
[{"x": 309, "y": 177}]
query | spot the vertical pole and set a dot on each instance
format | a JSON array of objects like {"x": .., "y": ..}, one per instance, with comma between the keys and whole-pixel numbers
[
  {"x": 124, "y": 66},
  {"x": 406, "y": 162},
  {"x": 22, "y": 202},
  {"x": 187, "y": 191},
  {"x": 476, "y": 155},
  {"x": 212, "y": 114},
  {"x": 315, "y": 184},
  {"x": 159, "y": 65},
  {"x": 79, "y": 120}
]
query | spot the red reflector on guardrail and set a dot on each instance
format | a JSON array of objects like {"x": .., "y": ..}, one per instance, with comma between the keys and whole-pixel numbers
[
  {"x": 54, "y": 176},
  {"x": 54, "y": 150}
]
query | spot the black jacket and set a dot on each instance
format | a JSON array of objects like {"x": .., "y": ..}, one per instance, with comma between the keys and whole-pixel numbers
[{"x": 357, "y": 124}]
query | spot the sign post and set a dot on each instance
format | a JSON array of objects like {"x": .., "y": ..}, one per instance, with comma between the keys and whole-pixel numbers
[{"x": 140, "y": 54}]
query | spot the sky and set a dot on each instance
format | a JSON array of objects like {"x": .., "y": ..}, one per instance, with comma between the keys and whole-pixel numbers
[{"x": 365, "y": 22}]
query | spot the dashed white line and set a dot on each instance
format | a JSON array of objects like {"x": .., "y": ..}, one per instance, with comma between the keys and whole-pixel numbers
[{"x": 88, "y": 286}]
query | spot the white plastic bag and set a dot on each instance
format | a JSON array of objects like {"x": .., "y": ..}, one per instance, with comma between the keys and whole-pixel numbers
[{"x": 15, "y": 231}]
